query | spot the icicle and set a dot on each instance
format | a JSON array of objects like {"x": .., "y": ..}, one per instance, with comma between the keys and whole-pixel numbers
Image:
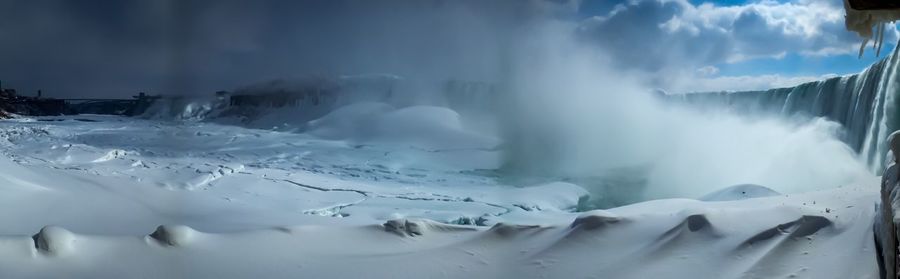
[
  {"x": 863, "y": 23},
  {"x": 880, "y": 41},
  {"x": 862, "y": 47},
  {"x": 875, "y": 41}
]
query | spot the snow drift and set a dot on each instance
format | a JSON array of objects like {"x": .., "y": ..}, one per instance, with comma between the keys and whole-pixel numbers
[{"x": 427, "y": 127}]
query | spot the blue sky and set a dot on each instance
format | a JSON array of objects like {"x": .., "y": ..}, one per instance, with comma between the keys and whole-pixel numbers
[
  {"x": 797, "y": 40},
  {"x": 796, "y": 64}
]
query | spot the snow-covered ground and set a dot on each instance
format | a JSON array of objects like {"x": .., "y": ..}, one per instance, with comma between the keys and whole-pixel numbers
[
  {"x": 243, "y": 203},
  {"x": 219, "y": 178}
]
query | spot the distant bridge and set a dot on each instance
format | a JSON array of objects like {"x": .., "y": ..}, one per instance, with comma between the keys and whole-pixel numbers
[{"x": 100, "y": 100}]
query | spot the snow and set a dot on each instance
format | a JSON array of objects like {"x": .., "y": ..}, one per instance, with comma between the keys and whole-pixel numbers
[
  {"x": 112, "y": 197},
  {"x": 425, "y": 127},
  {"x": 739, "y": 192},
  {"x": 204, "y": 174}
]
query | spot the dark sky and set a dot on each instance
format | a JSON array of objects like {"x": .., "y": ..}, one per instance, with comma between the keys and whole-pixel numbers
[
  {"x": 116, "y": 48},
  {"x": 102, "y": 48}
]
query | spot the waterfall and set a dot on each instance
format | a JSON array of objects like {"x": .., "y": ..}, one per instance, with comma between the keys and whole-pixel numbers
[{"x": 865, "y": 104}]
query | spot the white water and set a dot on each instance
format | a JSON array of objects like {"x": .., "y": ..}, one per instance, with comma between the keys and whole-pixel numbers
[
  {"x": 865, "y": 105},
  {"x": 675, "y": 152},
  {"x": 570, "y": 117}
]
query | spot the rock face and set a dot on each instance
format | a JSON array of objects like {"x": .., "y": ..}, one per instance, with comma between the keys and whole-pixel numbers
[
  {"x": 874, "y": 4},
  {"x": 885, "y": 224},
  {"x": 173, "y": 235}
]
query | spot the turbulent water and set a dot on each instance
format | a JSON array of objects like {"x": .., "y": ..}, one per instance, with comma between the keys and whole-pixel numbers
[{"x": 865, "y": 104}]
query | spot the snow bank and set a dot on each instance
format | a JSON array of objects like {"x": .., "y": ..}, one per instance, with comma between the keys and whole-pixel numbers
[
  {"x": 772, "y": 237},
  {"x": 426, "y": 127},
  {"x": 349, "y": 121},
  {"x": 740, "y": 192}
]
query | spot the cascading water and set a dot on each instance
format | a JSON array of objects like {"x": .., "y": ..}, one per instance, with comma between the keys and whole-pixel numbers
[
  {"x": 865, "y": 104},
  {"x": 566, "y": 114}
]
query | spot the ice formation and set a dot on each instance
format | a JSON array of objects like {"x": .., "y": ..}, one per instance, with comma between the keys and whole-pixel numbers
[{"x": 870, "y": 25}]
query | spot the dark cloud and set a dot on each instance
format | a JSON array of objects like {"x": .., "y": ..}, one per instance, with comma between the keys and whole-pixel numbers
[
  {"x": 635, "y": 36},
  {"x": 115, "y": 48}
]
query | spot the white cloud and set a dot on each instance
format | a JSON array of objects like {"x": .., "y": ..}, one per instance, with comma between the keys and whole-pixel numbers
[
  {"x": 707, "y": 71},
  {"x": 654, "y": 34},
  {"x": 746, "y": 83},
  {"x": 664, "y": 37}
]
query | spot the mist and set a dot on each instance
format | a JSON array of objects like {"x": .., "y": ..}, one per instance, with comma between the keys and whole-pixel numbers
[{"x": 575, "y": 114}]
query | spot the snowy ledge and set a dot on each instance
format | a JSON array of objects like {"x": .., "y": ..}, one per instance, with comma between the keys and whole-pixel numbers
[{"x": 759, "y": 238}]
